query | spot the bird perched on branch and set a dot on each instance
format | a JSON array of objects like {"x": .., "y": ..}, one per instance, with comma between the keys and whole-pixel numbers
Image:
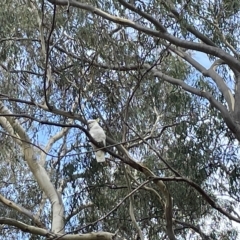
[{"x": 98, "y": 135}]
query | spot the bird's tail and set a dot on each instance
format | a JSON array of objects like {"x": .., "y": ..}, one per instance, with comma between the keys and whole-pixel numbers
[{"x": 100, "y": 156}]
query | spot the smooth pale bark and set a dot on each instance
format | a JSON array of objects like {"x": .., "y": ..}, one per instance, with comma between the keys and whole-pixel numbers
[
  {"x": 38, "y": 171},
  {"x": 43, "y": 232}
]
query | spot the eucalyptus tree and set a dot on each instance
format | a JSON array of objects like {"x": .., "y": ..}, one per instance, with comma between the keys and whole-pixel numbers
[{"x": 171, "y": 120}]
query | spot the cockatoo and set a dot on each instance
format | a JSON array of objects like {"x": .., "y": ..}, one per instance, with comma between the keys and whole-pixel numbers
[{"x": 99, "y": 136}]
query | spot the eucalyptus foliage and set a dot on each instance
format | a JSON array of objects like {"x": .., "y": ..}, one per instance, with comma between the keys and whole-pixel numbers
[{"x": 163, "y": 78}]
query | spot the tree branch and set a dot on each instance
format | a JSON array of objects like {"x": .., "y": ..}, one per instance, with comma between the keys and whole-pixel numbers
[
  {"x": 195, "y": 228},
  {"x": 45, "y": 233},
  {"x": 44, "y": 107},
  {"x": 222, "y": 86},
  {"x": 22, "y": 210},
  {"x": 116, "y": 207},
  {"x": 131, "y": 209},
  {"x": 151, "y": 19},
  {"x": 224, "y": 112},
  {"x": 217, "y": 52},
  {"x": 76, "y": 211},
  {"x": 202, "y": 192},
  {"x": 191, "y": 29},
  {"x": 38, "y": 171}
]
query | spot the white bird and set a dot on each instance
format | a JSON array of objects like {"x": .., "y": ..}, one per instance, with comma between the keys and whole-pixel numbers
[{"x": 99, "y": 136}]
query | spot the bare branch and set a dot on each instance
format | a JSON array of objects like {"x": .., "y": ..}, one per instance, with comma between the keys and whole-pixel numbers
[
  {"x": 191, "y": 29},
  {"x": 115, "y": 208},
  {"x": 225, "y": 90},
  {"x": 224, "y": 112},
  {"x": 195, "y": 228},
  {"x": 217, "y": 52},
  {"x": 45, "y": 108},
  {"x": 151, "y": 19},
  {"x": 38, "y": 171},
  {"x": 157, "y": 153},
  {"x": 203, "y": 193},
  {"x": 7, "y": 127},
  {"x": 167, "y": 197},
  {"x": 22, "y": 210},
  {"x": 43, "y": 232},
  {"x": 77, "y": 210},
  {"x": 131, "y": 210}
]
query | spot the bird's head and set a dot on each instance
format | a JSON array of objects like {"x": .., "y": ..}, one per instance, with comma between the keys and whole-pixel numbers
[{"x": 92, "y": 122}]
